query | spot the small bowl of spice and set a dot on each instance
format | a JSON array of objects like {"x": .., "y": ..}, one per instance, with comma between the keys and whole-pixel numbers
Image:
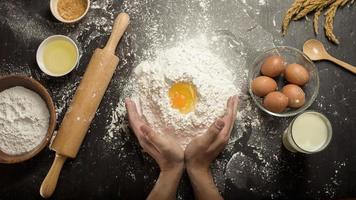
[
  {"x": 27, "y": 118},
  {"x": 69, "y": 11}
]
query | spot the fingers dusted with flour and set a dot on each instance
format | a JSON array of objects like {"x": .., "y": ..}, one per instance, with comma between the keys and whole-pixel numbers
[
  {"x": 135, "y": 120},
  {"x": 163, "y": 149},
  {"x": 136, "y": 123},
  {"x": 153, "y": 138},
  {"x": 230, "y": 116},
  {"x": 203, "y": 149},
  {"x": 224, "y": 136},
  {"x": 212, "y": 133}
]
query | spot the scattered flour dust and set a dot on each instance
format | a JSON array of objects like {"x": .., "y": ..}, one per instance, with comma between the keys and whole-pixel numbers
[
  {"x": 188, "y": 62},
  {"x": 24, "y": 120}
]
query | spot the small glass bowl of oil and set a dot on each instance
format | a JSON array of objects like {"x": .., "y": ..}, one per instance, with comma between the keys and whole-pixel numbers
[{"x": 57, "y": 55}]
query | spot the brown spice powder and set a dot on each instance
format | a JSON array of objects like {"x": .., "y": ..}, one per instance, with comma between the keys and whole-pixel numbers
[{"x": 71, "y": 9}]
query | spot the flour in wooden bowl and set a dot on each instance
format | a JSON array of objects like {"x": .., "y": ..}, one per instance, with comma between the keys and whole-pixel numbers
[
  {"x": 24, "y": 120},
  {"x": 189, "y": 62}
]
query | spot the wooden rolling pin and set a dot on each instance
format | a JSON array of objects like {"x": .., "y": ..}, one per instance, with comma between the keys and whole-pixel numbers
[{"x": 84, "y": 105}]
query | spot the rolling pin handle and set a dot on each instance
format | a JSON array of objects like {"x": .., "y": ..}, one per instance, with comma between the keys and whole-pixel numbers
[
  {"x": 120, "y": 25},
  {"x": 50, "y": 182}
]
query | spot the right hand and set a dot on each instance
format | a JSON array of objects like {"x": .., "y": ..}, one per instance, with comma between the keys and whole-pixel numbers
[{"x": 203, "y": 149}]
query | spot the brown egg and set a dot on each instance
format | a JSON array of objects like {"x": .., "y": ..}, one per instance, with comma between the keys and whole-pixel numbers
[
  {"x": 273, "y": 66},
  {"x": 276, "y": 102},
  {"x": 263, "y": 85},
  {"x": 296, "y": 74},
  {"x": 295, "y": 94}
]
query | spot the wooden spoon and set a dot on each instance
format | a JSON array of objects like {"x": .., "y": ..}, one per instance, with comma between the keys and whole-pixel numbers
[{"x": 315, "y": 50}]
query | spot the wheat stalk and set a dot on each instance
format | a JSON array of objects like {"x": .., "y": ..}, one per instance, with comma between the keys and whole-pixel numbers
[
  {"x": 301, "y": 8},
  {"x": 316, "y": 21},
  {"x": 294, "y": 9},
  {"x": 308, "y": 6},
  {"x": 329, "y": 20},
  {"x": 312, "y": 5},
  {"x": 318, "y": 13}
]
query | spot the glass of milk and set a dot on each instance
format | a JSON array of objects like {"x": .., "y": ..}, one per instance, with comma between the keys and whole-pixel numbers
[{"x": 309, "y": 132}]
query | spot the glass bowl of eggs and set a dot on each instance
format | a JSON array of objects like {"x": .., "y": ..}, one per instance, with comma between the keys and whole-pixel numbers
[{"x": 283, "y": 81}]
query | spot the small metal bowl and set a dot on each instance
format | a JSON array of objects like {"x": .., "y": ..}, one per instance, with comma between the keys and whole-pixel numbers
[
  {"x": 7, "y": 82},
  {"x": 54, "y": 9},
  {"x": 290, "y": 55}
]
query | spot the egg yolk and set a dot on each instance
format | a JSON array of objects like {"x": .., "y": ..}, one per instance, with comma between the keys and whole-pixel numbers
[{"x": 183, "y": 96}]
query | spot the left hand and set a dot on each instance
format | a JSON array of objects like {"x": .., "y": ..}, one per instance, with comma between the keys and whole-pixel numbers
[
  {"x": 162, "y": 148},
  {"x": 203, "y": 149}
]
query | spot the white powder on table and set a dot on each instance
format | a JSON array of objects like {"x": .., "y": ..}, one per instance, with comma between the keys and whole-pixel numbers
[
  {"x": 24, "y": 120},
  {"x": 191, "y": 62}
]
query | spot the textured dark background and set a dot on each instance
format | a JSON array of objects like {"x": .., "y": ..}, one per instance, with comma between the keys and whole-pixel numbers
[{"x": 94, "y": 174}]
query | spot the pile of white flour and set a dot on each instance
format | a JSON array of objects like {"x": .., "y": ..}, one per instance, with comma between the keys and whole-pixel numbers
[
  {"x": 24, "y": 120},
  {"x": 192, "y": 62}
]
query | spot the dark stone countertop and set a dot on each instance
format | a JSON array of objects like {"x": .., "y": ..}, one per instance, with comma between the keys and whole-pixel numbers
[{"x": 260, "y": 168}]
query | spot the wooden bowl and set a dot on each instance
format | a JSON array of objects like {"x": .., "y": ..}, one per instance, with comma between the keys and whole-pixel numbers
[
  {"x": 54, "y": 9},
  {"x": 29, "y": 83}
]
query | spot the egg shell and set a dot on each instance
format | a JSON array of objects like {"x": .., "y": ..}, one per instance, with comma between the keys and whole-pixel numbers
[
  {"x": 263, "y": 85},
  {"x": 296, "y": 74},
  {"x": 273, "y": 66},
  {"x": 276, "y": 102},
  {"x": 295, "y": 94}
]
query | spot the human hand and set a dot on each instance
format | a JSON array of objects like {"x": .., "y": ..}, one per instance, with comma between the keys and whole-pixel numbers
[
  {"x": 203, "y": 149},
  {"x": 163, "y": 149},
  {"x": 166, "y": 152}
]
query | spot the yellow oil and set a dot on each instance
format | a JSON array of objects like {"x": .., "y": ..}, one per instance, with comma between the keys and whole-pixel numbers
[
  {"x": 183, "y": 96},
  {"x": 59, "y": 56}
]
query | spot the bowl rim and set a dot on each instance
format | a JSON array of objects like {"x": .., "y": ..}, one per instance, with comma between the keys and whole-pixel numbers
[
  {"x": 299, "y": 110},
  {"x": 327, "y": 123},
  {"x": 39, "y": 54},
  {"x": 54, "y": 11},
  {"x": 46, "y": 97}
]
